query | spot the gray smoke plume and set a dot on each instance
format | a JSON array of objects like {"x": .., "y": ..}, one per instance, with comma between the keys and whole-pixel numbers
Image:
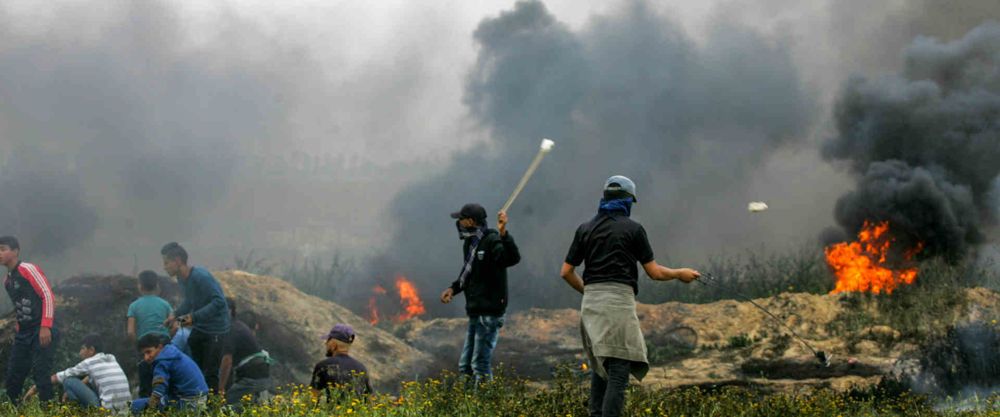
[
  {"x": 44, "y": 207},
  {"x": 132, "y": 127},
  {"x": 629, "y": 94},
  {"x": 925, "y": 143}
]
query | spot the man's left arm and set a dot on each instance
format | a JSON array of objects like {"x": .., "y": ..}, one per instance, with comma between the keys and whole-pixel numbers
[
  {"x": 34, "y": 275},
  {"x": 226, "y": 366}
]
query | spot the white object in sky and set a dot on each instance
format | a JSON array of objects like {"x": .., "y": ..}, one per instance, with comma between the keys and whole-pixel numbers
[{"x": 757, "y": 206}]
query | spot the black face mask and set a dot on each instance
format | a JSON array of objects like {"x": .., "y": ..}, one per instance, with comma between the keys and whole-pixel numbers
[{"x": 466, "y": 232}]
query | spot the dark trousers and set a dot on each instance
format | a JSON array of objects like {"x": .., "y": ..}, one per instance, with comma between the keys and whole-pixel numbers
[
  {"x": 607, "y": 397},
  {"x": 145, "y": 378},
  {"x": 206, "y": 350},
  {"x": 27, "y": 356}
]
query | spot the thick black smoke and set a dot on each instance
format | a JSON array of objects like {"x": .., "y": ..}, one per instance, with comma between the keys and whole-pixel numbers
[
  {"x": 628, "y": 94},
  {"x": 925, "y": 143}
]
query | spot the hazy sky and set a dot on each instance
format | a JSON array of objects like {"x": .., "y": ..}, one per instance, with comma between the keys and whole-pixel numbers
[{"x": 294, "y": 126}]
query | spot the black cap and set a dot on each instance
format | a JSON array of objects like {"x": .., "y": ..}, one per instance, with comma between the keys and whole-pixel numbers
[{"x": 471, "y": 211}]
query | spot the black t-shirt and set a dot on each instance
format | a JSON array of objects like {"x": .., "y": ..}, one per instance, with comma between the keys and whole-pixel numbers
[
  {"x": 341, "y": 371},
  {"x": 610, "y": 245},
  {"x": 240, "y": 342}
]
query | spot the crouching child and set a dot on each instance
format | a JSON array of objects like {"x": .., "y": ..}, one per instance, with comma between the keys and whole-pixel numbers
[
  {"x": 177, "y": 380},
  {"x": 106, "y": 385}
]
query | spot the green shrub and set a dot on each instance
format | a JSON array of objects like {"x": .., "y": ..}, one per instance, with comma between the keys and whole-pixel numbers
[{"x": 450, "y": 395}]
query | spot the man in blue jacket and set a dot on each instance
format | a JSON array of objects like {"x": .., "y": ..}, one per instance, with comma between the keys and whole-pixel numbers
[
  {"x": 204, "y": 310},
  {"x": 177, "y": 381}
]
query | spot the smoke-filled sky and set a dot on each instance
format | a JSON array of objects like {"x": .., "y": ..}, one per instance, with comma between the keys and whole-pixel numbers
[{"x": 307, "y": 128}]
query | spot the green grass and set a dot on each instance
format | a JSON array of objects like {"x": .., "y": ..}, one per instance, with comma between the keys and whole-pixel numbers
[{"x": 449, "y": 396}]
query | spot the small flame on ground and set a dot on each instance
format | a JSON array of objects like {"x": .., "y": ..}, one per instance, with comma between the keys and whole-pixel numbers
[
  {"x": 862, "y": 265},
  {"x": 409, "y": 301},
  {"x": 408, "y": 298},
  {"x": 373, "y": 317}
]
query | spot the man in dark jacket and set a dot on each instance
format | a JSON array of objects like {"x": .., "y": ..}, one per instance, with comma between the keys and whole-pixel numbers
[
  {"x": 203, "y": 309},
  {"x": 249, "y": 364},
  {"x": 488, "y": 254}
]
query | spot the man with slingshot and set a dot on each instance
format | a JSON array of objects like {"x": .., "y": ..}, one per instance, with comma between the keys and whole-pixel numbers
[{"x": 610, "y": 245}]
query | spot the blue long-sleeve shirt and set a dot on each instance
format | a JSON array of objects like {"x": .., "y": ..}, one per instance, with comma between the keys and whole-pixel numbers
[
  {"x": 176, "y": 376},
  {"x": 204, "y": 300}
]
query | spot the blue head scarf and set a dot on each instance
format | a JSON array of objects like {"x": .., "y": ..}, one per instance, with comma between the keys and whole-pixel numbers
[{"x": 620, "y": 205}]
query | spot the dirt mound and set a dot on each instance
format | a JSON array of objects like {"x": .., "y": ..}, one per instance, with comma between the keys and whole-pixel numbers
[
  {"x": 293, "y": 325},
  {"x": 720, "y": 343}
]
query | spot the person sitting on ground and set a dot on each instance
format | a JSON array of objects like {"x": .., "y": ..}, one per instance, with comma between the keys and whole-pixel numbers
[
  {"x": 243, "y": 357},
  {"x": 107, "y": 386},
  {"x": 339, "y": 370},
  {"x": 146, "y": 315},
  {"x": 177, "y": 380}
]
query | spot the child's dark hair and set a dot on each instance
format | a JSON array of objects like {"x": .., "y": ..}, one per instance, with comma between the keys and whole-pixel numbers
[
  {"x": 174, "y": 250},
  {"x": 10, "y": 242},
  {"x": 152, "y": 340},
  {"x": 149, "y": 281},
  {"x": 93, "y": 340}
]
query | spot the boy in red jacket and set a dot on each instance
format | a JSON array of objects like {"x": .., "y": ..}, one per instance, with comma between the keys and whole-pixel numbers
[{"x": 34, "y": 306}]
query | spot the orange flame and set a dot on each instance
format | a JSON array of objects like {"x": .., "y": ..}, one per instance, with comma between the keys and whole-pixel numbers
[
  {"x": 861, "y": 265},
  {"x": 372, "y": 307},
  {"x": 408, "y": 298}
]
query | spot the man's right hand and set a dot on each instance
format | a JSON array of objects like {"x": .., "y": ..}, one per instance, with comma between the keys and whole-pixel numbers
[
  {"x": 687, "y": 275},
  {"x": 447, "y": 295}
]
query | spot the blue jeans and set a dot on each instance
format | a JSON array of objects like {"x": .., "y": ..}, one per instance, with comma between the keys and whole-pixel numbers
[
  {"x": 196, "y": 404},
  {"x": 480, "y": 341},
  {"x": 80, "y": 393}
]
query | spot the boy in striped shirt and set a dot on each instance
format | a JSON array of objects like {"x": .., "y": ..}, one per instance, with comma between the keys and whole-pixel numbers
[{"x": 106, "y": 385}]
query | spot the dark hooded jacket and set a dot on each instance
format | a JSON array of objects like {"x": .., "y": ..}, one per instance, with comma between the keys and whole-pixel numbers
[{"x": 486, "y": 287}]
